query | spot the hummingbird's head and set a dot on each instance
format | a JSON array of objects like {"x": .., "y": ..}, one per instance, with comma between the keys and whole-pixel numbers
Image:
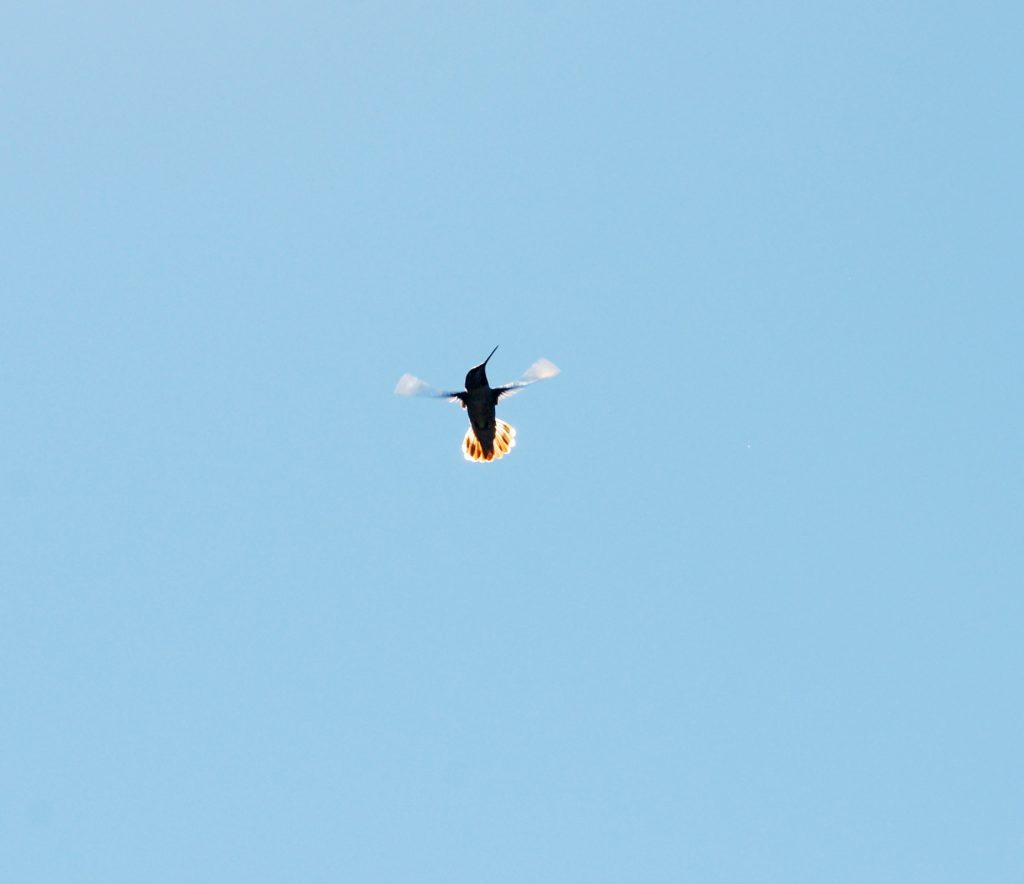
[{"x": 477, "y": 376}]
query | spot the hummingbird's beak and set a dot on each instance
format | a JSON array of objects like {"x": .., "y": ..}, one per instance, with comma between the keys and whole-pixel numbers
[{"x": 488, "y": 359}]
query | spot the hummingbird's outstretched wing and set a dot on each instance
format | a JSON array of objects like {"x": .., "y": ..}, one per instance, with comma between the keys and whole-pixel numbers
[
  {"x": 541, "y": 370},
  {"x": 410, "y": 385}
]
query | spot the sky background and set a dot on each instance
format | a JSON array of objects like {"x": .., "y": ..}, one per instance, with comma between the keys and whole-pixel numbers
[{"x": 743, "y": 605}]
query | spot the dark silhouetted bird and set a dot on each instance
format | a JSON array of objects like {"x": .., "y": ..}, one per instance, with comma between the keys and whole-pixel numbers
[{"x": 488, "y": 437}]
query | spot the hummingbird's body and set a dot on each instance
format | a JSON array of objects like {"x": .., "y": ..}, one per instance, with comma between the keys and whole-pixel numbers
[
  {"x": 480, "y": 404},
  {"x": 488, "y": 437}
]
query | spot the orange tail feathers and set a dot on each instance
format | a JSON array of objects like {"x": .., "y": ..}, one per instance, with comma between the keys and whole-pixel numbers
[{"x": 504, "y": 442}]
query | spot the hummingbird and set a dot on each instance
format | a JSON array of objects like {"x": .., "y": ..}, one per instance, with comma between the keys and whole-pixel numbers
[{"x": 488, "y": 437}]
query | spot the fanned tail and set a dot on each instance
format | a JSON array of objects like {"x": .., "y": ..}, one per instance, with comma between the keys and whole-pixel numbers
[{"x": 504, "y": 442}]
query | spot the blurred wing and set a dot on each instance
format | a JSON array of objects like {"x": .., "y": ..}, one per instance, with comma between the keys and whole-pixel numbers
[
  {"x": 410, "y": 385},
  {"x": 541, "y": 370}
]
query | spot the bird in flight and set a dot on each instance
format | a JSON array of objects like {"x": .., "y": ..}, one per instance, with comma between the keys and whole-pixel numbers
[{"x": 488, "y": 437}]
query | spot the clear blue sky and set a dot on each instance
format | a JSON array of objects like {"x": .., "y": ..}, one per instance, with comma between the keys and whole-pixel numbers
[{"x": 743, "y": 605}]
